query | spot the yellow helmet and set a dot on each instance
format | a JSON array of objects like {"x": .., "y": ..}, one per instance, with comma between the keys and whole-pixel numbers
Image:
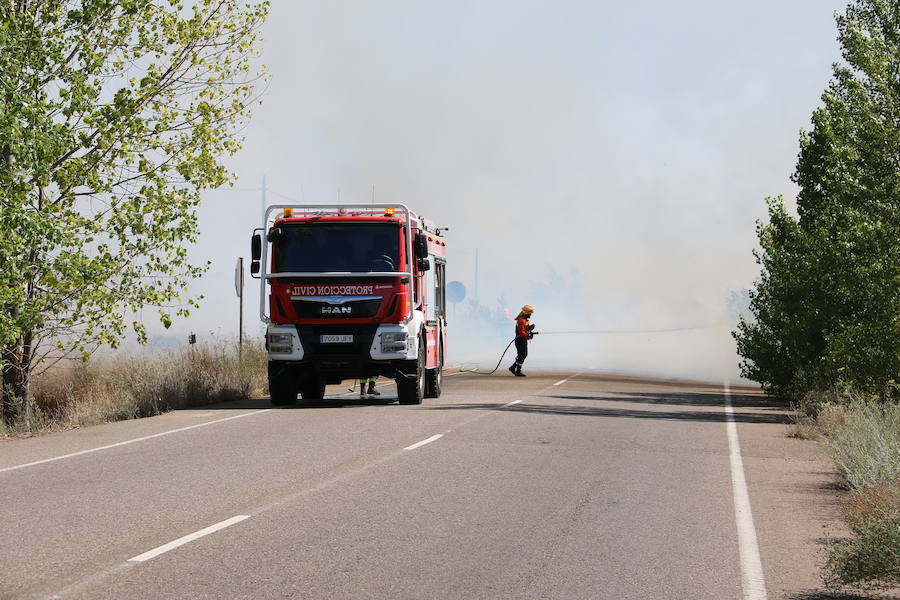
[{"x": 527, "y": 309}]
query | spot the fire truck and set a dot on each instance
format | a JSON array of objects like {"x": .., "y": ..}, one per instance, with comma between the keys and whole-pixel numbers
[{"x": 351, "y": 291}]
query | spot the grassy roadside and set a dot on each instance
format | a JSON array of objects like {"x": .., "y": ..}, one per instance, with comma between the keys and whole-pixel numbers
[
  {"x": 129, "y": 386},
  {"x": 863, "y": 438}
]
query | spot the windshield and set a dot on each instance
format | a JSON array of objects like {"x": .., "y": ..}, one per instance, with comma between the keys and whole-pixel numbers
[{"x": 319, "y": 247}]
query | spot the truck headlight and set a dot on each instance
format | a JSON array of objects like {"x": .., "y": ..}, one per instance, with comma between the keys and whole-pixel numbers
[
  {"x": 280, "y": 343},
  {"x": 393, "y": 341}
]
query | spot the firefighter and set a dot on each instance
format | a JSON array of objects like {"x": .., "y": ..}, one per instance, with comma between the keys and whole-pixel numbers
[
  {"x": 524, "y": 332},
  {"x": 371, "y": 384}
]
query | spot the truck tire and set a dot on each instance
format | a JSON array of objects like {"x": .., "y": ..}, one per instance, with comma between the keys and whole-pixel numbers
[
  {"x": 411, "y": 390},
  {"x": 282, "y": 388},
  {"x": 312, "y": 388},
  {"x": 434, "y": 378}
]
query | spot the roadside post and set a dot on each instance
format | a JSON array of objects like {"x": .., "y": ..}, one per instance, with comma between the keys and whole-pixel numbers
[{"x": 239, "y": 289}]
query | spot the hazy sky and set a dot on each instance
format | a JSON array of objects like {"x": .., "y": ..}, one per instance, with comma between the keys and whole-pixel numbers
[{"x": 627, "y": 146}]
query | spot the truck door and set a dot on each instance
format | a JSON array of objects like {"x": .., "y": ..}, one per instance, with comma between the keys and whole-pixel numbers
[{"x": 432, "y": 327}]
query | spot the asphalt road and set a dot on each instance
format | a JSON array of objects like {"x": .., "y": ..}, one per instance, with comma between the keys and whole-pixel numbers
[{"x": 552, "y": 486}]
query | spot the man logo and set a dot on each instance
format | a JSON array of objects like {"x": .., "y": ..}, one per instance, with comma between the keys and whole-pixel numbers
[{"x": 337, "y": 310}]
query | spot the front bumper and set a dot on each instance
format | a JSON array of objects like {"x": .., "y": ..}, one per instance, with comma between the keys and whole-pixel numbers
[{"x": 383, "y": 343}]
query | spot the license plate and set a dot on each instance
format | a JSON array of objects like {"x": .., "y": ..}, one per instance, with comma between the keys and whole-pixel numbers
[{"x": 335, "y": 339}]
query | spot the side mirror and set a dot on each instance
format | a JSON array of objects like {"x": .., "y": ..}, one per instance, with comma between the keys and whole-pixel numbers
[
  {"x": 255, "y": 253},
  {"x": 424, "y": 265},
  {"x": 420, "y": 247}
]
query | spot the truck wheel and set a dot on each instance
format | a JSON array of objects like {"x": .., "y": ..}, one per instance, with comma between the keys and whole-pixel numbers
[
  {"x": 411, "y": 390},
  {"x": 434, "y": 378},
  {"x": 282, "y": 390},
  {"x": 312, "y": 388}
]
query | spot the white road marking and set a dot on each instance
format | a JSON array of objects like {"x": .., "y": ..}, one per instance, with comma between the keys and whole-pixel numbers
[
  {"x": 752, "y": 580},
  {"x": 132, "y": 441},
  {"x": 433, "y": 438},
  {"x": 560, "y": 382},
  {"x": 508, "y": 404},
  {"x": 188, "y": 538}
]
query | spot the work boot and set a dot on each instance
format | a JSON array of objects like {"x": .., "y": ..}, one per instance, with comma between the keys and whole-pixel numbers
[
  {"x": 362, "y": 389},
  {"x": 513, "y": 369},
  {"x": 519, "y": 373},
  {"x": 372, "y": 390}
]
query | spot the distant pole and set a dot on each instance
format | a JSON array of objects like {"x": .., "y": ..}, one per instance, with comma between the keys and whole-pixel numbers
[
  {"x": 476, "y": 275},
  {"x": 262, "y": 200}
]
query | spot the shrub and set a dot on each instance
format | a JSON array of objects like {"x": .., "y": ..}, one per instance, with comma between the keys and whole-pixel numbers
[
  {"x": 864, "y": 440},
  {"x": 871, "y": 557}
]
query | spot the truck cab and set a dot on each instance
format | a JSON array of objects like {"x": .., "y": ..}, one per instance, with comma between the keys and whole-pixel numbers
[{"x": 351, "y": 291}]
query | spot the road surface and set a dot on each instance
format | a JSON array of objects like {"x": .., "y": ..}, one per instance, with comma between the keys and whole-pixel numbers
[{"x": 559, "y": 485}]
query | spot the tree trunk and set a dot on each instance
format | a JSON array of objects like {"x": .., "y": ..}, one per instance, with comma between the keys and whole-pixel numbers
[
  {"x": 16, "y": 359},
  {"x": 11, "y": 382}
]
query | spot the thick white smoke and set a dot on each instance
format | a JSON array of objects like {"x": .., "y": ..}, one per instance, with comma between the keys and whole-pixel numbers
[{"x": 607, "y": 160}]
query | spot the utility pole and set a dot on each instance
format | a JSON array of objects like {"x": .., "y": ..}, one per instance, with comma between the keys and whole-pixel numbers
[
  {"x": 263, "y": 202},
  {"x": 476, "y": 276}
]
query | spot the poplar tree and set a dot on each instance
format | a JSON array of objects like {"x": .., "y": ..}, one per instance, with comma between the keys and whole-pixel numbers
[
  {"x": 113, "y": 117},
  {"x": 827, "y": 306}
]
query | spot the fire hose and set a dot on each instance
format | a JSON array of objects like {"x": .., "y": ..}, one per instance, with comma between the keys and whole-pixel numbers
[
  {"x": 477, "y": 372},
  {"x": 586, "y": 331}
]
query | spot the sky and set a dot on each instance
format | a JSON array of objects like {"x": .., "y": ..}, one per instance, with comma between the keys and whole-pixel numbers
[{"x": 607, "y": 161}]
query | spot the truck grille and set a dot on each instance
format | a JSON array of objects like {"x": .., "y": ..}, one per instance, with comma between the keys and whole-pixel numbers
[{"x": 363, "y": 335}]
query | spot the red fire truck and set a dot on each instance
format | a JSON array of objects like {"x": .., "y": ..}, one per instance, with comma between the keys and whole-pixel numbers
[{"x": 351, "y": 291}]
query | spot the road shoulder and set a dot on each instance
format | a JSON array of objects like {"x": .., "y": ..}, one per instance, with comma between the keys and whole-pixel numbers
[{"x": 795, "y": 493}]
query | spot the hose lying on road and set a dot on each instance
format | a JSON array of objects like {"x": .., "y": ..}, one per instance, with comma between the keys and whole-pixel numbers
[{"x": 477, "y": 372}]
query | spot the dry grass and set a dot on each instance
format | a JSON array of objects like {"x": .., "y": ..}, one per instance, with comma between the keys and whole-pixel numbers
[
  {"x": 803, "y": 426},
  {"x": 138, "y": 385},
  {"x": 863, "y": 504},
  {"x": 864, "y": 439}
]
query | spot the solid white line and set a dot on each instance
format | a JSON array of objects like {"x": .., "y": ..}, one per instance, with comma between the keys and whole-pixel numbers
[
  {"x": 188, "y": 538},
  {"x": 752, "y": 579},
  {"x": 560, "y": 382},
  {"x": 513, "y": 402},
  {"x": 433, "y": 438},
  {"x": 133, "y": 441}
]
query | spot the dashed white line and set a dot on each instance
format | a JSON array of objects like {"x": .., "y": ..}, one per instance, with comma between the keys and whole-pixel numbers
[
  {"x": 560, "y": 382},
  {"x": 132, "y": 441},
  {"x": 188, "y": 538},
  {"x": 508, "y": 404},
  {"x": 433, "y": 438},
  {"x": 752, "y": 579}
]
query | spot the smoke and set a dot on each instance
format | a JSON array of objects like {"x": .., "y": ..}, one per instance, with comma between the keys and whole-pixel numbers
[{"x": 606, "y": 160}]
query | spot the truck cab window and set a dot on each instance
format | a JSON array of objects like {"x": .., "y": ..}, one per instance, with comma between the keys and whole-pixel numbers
[{"x": 323, "y": 247}]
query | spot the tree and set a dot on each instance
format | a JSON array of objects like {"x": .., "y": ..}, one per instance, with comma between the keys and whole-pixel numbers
[
  {"x": 113, "y": 116},
  {"x": 827, "y": 306}
]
